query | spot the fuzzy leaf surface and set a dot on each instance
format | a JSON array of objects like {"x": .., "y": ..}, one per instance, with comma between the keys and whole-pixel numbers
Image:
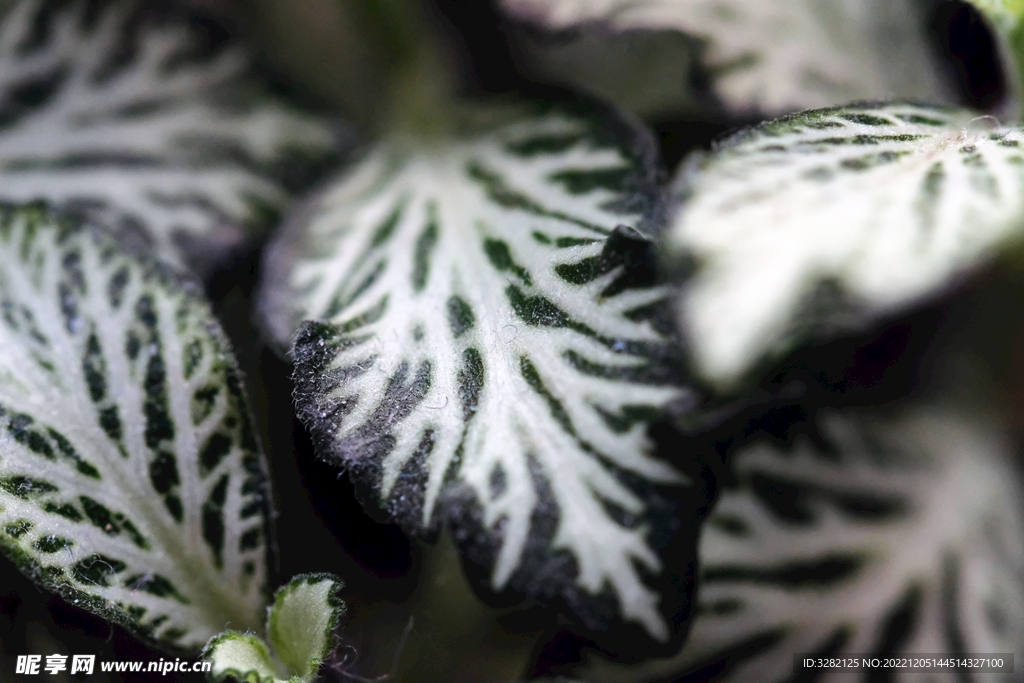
[
  {"x": 131, "y": 482},
  {"x": 905, "y": 535},
  {"x": 301, "y": 626},
  {"x": 482, "y": 346},
  {"x": 773, "y": 56},
  {"x": 302, "y": 622},
  {"x": 832, "y": 219},
  {"x": 241, "y": 657},
  {"x": 134, "y": 114}
]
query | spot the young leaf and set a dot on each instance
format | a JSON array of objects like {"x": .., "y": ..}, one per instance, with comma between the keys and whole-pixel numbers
[
  {"x": 302, "y": 622},
  {"x": 241, "y": 657},
  {"x": 131, "y": 482},
  {"x": 481, "y": 347},
  {"x": 300, "y": 626},
  {"x": 833, "y": 218},
  {"x": 136, "y": 115},
  {"x": 905, "y": 535},
  {"x": 777, "y": 56}
]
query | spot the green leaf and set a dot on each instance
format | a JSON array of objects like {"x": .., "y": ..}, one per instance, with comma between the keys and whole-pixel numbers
[
  {"x": 301, "y": 627},
  {"x": 135, "y": 115},
  {"x": 777, "y": 56},
  {"x": 481, "y": 347},
  {"x": 131, "y": 482},
  {"x": 905, "y": 535},
  {"x": 302, "y": 622},
  {"x": 241, "y": 657},
  {"x": 1004, "y": 14},
  {"x": 1007, "y": 19},
  {"x": 834, "y": 218}
]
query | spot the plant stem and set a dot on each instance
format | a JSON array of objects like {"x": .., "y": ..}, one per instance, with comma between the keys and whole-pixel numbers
[
  {"x": 455, "y": 638},
  {"x": 322, "y": 45},
  {"x": 381, "y": 63}
]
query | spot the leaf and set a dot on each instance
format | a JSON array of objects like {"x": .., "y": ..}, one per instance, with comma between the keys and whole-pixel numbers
[
  {"x": 905, "y": 535},
  {"x": 834, "y": 218},
  {"x": 777, "y": 56},
  {"x": 1007, "y": 18},
  {"x": 241, "y": 657},
  {"x": 1003, "y": 13},
  {"x": 302, "y": 621},
  {"x": 136, "y": 116},
  {"x": 301, "y": 627},
  {"x": 131, "y": 482},
  {"x": 480, "y": 347}
]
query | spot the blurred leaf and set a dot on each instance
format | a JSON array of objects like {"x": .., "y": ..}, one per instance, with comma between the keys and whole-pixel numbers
[
  {"x": 904, "y": 535},
  {"x": 831, "y": 219},
  {"x": 137, "y": 116},
  {"x": 1007, "y": 18},
  {"x": 777, "y": 56}
]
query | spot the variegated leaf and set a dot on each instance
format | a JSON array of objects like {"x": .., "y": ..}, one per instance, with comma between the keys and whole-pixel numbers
[
  {"x": 131, "y": 113},
  {"x": 905, "y": 535},
  {"x": 778, "y": 56},
  {"x": 130, "y": 479},
  {"x": 301, "y": 627},
  {"x": 242, "y": 657},
  {"x": 482, "y": 348},
  {"x": 833, "y": 218}
]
